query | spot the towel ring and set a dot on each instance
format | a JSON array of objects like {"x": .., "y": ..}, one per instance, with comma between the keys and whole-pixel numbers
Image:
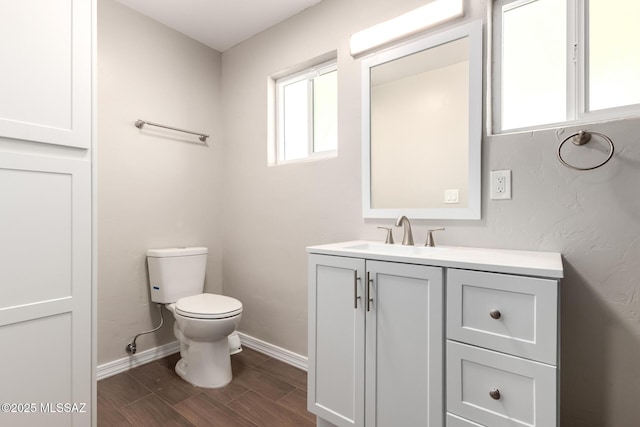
[{"x": 581, "y": 138}]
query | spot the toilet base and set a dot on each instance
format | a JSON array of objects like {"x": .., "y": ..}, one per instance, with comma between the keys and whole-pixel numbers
[
  {"x": 235, "y": 346},
  {"x": 206, "y": 364}
]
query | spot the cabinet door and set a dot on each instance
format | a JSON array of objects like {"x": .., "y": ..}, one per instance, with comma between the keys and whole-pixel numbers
[
  {"x": 404, "y": 356},
  {"x": 45, "y": 78},
  {"x": 45, "y": 283},
  {"x": 336, "y": 339}
]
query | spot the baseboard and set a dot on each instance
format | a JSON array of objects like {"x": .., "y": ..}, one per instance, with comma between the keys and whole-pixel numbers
[
  {"x": 279, "y": 353},
  {"x": 121, "y": 365}
]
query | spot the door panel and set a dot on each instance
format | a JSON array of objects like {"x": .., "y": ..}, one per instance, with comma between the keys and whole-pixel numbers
[
  {"x": 45, "y": 89},
  {"x": 36, "y": 376},
  {"x": 404, "y": 345},
  {"x": 37, "y": 219},
  {"x": 45, "y": 311},
  {"x": 336, "y": 355}
]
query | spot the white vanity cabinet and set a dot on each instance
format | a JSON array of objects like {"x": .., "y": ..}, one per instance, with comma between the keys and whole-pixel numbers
[
  {"x": 378, "y": 353},
  {"x": 375, "y": 342}
]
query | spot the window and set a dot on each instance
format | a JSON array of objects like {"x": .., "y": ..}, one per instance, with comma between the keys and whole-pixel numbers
[
  {"x": 565, "y": 61},
  {"x": 307, "y": 114}
]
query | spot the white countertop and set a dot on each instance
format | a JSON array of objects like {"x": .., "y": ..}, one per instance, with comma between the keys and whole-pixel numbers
[{"x": 541, "y": 264}]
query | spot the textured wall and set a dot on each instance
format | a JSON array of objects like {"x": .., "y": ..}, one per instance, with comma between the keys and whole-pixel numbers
[
  {"x": 272, "y": 213},
  {"x": 155, "y": 188}
]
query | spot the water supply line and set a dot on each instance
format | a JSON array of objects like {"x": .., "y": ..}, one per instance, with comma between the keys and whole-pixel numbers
[{"x": 131, "y": 347}]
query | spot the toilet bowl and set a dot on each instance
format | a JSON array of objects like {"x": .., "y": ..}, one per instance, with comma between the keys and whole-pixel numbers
[
  {"x": 203, "y": 321},
  {"x": 203, "y": 325}
]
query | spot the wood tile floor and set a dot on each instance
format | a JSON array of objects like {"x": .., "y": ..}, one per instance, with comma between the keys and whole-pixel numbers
[{"x": 264, "y": 392}]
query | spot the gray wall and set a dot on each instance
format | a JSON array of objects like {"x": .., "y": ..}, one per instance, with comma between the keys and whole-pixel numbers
[
  {"x": 272, "y": 213},
  {"x": 155, "y": 189}
]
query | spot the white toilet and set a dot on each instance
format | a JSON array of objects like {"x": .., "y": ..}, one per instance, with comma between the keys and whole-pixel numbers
[{"x": 203, "y": 321}]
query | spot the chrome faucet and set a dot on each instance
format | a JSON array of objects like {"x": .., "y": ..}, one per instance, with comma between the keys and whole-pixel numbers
[{"x": 407, "y": 238}]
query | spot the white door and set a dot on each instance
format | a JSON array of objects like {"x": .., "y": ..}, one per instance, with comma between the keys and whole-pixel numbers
[
  {"x": 335, "y": 389},
  {"x": 45, "y": 213},
  {"x": 45, "y": 309},
  {"x": 45, "y": 78},
  {"x": 404, "y": 345}
]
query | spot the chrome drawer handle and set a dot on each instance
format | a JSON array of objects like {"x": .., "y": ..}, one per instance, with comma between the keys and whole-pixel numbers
[
  {"x": 368, "y": 297},
  {"x": 495, "y": 394},
  {"x": 495, "y": 314},
  {"x": 356, "y": 279}
]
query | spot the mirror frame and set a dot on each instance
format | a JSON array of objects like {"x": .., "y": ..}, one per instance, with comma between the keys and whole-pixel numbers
[{"x": 473, "y": 30}]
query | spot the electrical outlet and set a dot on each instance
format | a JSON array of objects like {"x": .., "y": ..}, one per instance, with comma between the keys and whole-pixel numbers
[{"x": 501, "y": 185}]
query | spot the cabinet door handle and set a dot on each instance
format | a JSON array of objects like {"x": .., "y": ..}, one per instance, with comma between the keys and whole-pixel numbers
[
  {"x": 495, "y": 394},
  {"x": 369, "y": 299},
  {"x": 356, "y": 279},
  {"x": 495, "y": 314}
]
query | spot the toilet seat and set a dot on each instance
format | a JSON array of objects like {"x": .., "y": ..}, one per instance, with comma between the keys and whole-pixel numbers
[{"x": 208, "y": 306}]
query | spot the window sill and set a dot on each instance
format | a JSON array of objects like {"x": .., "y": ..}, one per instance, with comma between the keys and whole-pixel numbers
[
  {"x": 315, "y": 158},
  {"x": 594, "y": 121}
]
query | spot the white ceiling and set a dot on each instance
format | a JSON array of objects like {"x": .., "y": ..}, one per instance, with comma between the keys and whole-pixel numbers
[{"x": 219, "y": 24}]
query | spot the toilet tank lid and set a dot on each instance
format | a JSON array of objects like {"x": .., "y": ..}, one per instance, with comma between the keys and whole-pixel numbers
[{"x": 174, "y": 252}]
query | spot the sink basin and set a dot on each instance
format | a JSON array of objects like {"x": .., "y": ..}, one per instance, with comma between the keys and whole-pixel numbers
[{"x": 394, "y": 249}]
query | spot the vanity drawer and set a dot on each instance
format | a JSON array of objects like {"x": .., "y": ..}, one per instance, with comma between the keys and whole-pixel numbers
[
  {"x": 499, "y": 390},
  {"x": 455, "y": 421},
  {"x": 512, "y": 314}
]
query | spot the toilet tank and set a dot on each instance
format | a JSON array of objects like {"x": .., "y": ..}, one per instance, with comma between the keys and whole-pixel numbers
[{"x": 175, "y": 273}]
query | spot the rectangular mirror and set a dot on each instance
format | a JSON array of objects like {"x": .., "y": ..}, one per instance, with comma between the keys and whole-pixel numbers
[{"x": 422, "y": 127}]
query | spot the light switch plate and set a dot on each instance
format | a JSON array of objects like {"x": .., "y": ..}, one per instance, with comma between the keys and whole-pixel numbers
[{"x": 451, "y": 196}]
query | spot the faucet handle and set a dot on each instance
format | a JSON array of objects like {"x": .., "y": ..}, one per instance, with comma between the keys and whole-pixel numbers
[
  {"x": 430, "y": 242},
  {"x": 389, "y": 239}
]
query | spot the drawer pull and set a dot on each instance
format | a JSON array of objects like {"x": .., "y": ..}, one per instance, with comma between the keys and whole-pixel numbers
[
  {"x": 495, "y": 314},
  {"x": 495, "y": 394},
  {"x": 368, "y": 297},
  {"x": 356, "y": 279}
]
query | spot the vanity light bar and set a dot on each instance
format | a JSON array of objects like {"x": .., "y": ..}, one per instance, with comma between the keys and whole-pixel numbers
[{"x": 412, "y": 22}]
